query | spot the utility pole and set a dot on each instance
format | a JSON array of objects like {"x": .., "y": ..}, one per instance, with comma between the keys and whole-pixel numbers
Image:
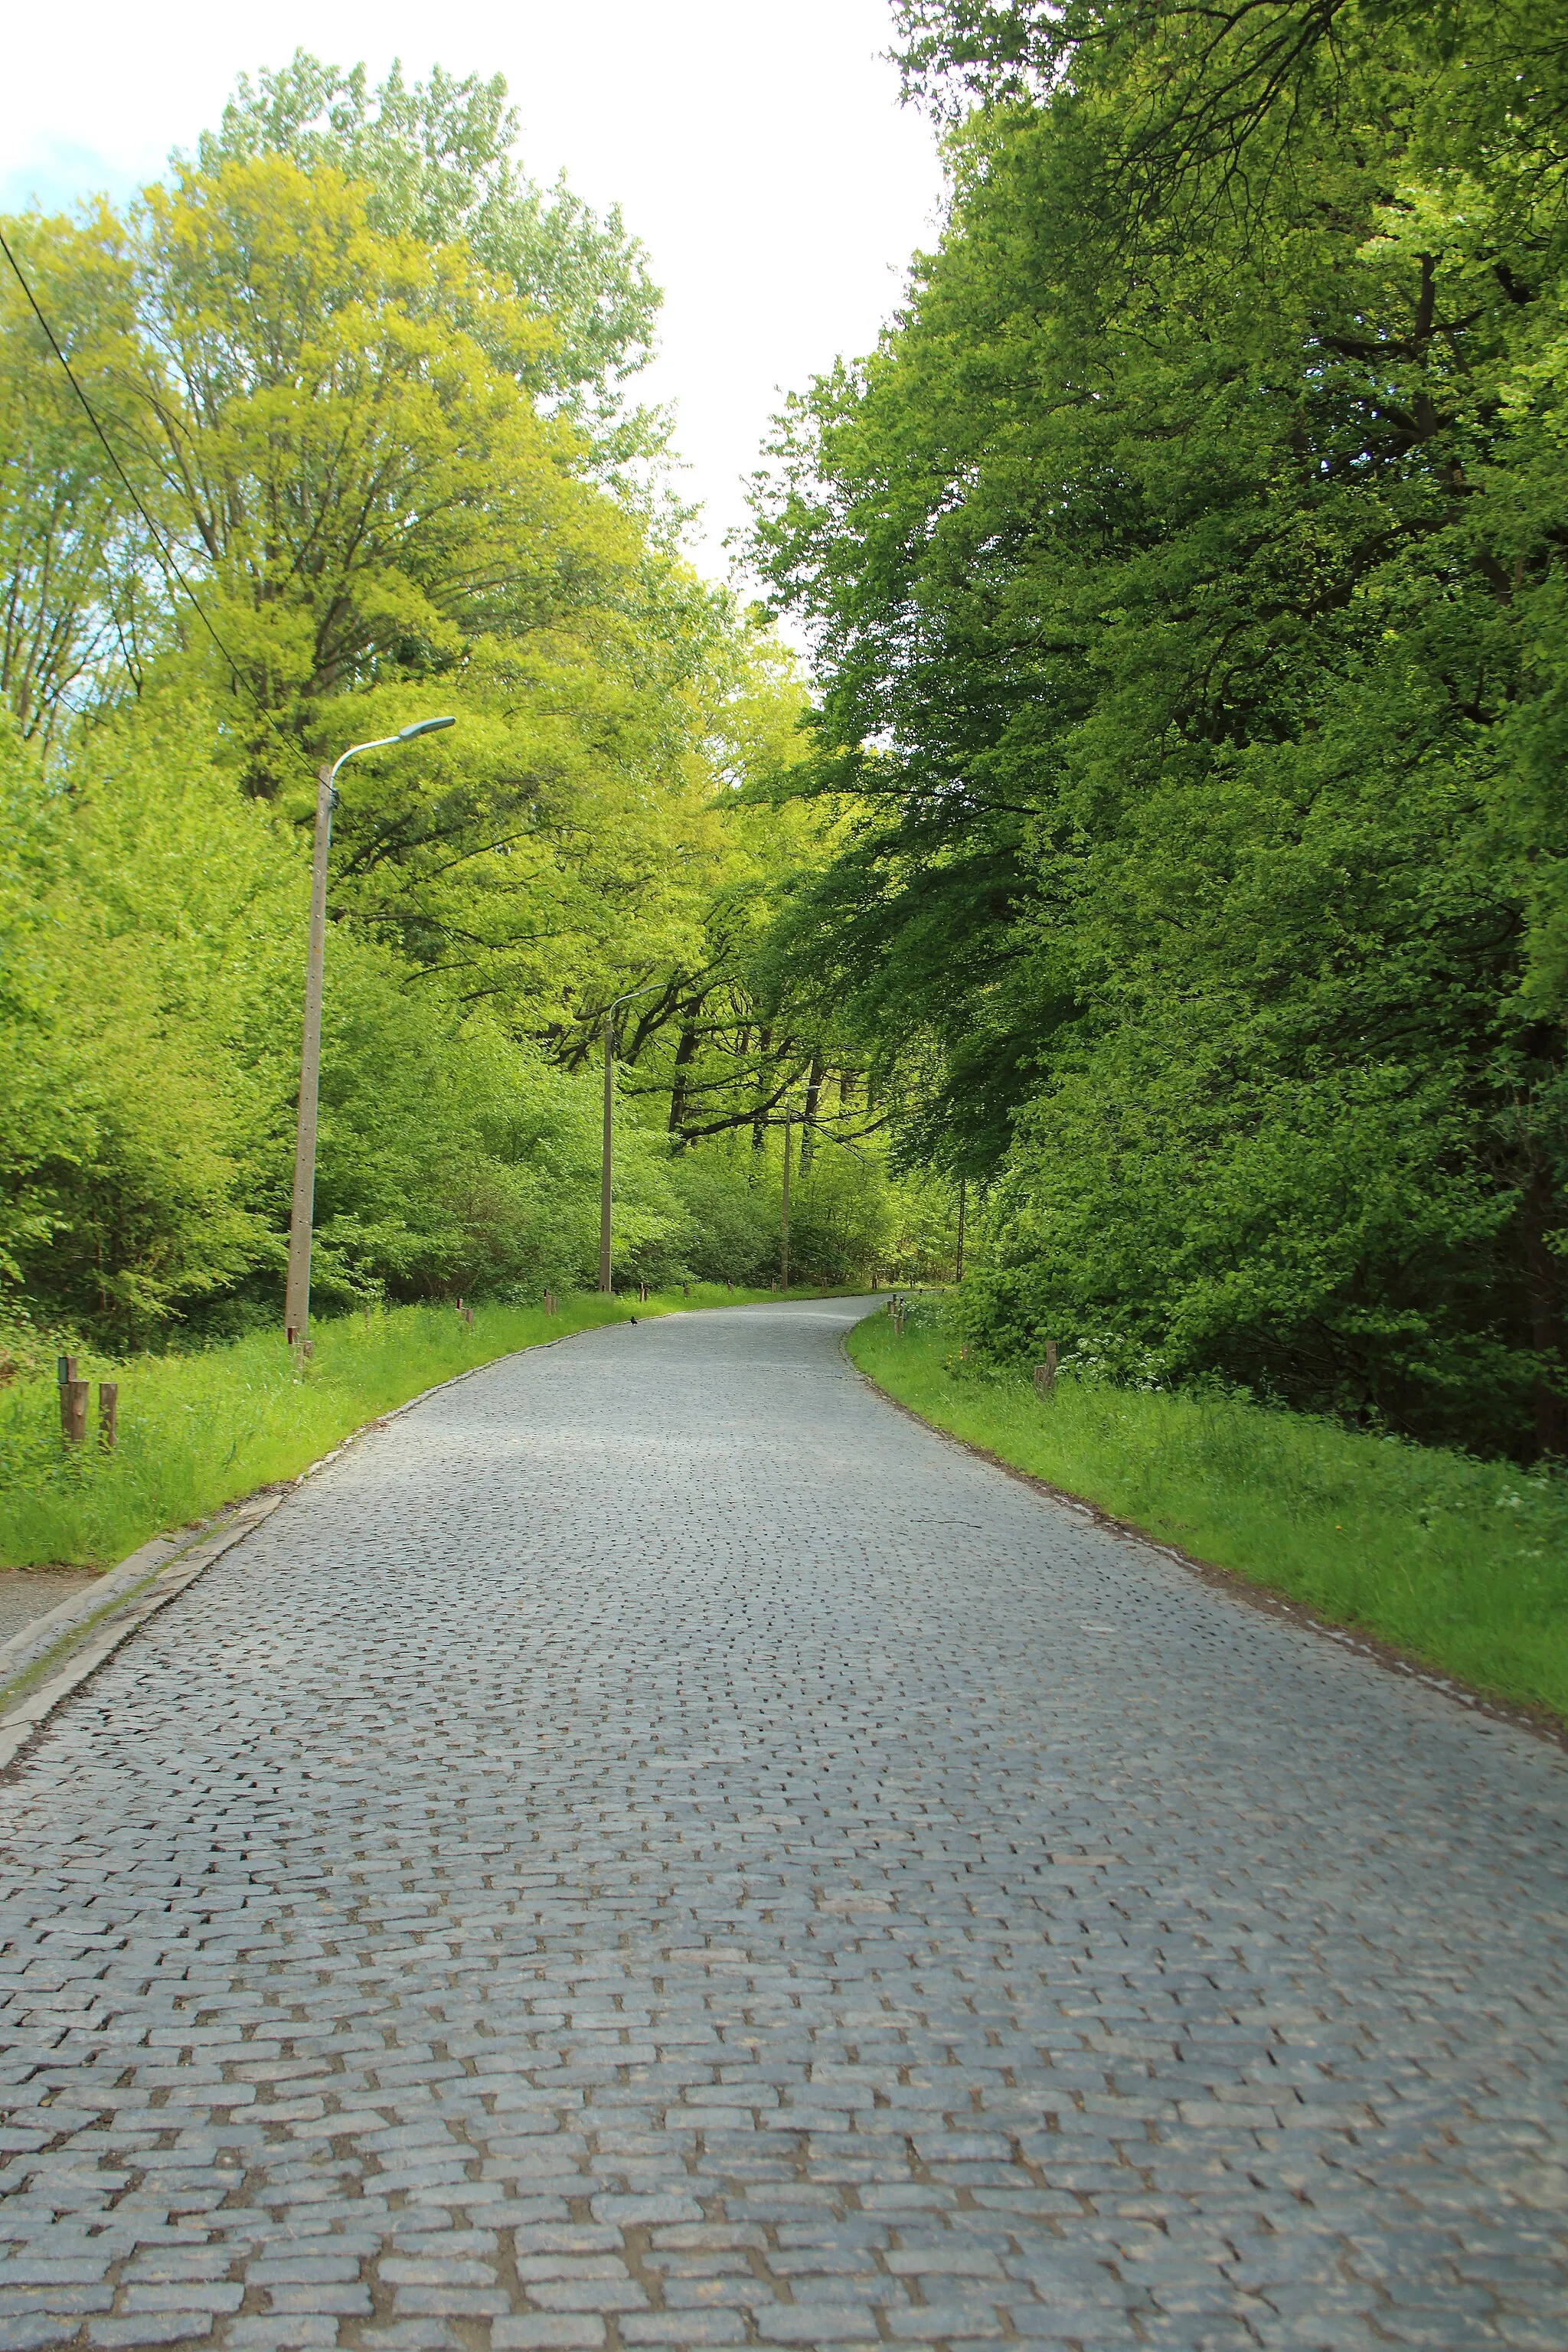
[
  {"x": 302, "y": 1209},
  {"x": 605, "y": 1282},
  {"x": 607, "y": 1161},
  {"x": 789, "y": 1132}
]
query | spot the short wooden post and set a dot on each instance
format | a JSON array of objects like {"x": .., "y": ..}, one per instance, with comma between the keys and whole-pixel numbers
[
  {"x": 108, "y": 1413},
  {"x": 65, "y": 1373},
  {"x": 73, "y": 1411},
  {"x": 550, "y": 1302},
  {"x": 1045, "y": 1373}
]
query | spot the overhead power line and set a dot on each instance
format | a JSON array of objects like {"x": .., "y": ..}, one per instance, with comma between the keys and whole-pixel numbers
[{"x": 165, "y": 554}]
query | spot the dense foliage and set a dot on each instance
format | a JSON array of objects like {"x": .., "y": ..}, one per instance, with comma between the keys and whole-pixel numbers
[
  {"x": 1187, "y": 567},
  {"x": 351, "y": 441}
]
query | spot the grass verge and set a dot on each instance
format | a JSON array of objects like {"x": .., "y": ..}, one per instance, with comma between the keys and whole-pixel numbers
[
  {"x": 196, "y": 1431},
  {"x": 1459, "y": 1563}
]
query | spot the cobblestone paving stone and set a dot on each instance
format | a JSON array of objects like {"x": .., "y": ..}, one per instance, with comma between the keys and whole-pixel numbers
[{"x": 654, "y": 1849}]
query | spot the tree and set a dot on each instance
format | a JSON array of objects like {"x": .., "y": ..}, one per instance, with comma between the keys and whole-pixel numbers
[
  {"x": 436, "y": 161},
  {"x": 1187, "y": 568},
  {"x": 379, "y": 513},
  {"x": 74, "y": 603}
]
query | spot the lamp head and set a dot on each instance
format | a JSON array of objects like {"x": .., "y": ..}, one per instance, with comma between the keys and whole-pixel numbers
[{"x": 423, "y": 727}]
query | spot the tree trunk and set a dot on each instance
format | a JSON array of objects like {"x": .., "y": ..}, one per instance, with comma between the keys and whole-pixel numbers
[
  {"x": 760, "y": 1123},
  {"x": 808, "y": 1121},
  {"x": 685, "y": 1054}
]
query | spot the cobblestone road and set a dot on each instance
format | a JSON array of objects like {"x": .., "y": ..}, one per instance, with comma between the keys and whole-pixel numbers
[{"x": 654, "y": 1848}]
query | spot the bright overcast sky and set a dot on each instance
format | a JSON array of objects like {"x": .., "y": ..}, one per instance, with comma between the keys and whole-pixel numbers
[{"x": 756, "y": 146}]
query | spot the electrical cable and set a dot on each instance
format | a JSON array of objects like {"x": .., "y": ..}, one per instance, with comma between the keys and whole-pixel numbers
[{"x": 165, "y": 556}]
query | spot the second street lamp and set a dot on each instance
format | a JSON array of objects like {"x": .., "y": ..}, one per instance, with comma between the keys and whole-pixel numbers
[{"x": 302, "y": 1210}]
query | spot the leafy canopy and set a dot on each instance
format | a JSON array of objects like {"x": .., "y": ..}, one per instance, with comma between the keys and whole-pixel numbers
[{"x": 1187, "y": 568}]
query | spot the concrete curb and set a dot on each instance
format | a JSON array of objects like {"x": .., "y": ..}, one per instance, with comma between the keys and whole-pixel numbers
[
  {"x": 141, "y": 1594},
  {"x": 78, "y": 1609}
]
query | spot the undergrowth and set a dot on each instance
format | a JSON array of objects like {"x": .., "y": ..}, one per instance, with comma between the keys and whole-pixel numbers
[
  {"x": 1459, "y": 1562},
  {"x": 198, "y": 1431}
]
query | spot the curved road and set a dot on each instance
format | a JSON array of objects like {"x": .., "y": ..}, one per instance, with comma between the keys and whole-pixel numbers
[{"x": 654, "y": 1848}]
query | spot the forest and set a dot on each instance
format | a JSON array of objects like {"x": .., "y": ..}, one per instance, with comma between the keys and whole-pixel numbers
[
  {"x": 1163, "y": 854},
  {"x": 335, "y": 429},
  {"x": 1187, "y": 567}
]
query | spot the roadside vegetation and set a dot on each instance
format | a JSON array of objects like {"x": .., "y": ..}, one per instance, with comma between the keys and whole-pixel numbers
[
  {"x": 1460, "y": 1563},
  {"x": 1187, "y": 568},
  {"x": 198, "y": 1431}
]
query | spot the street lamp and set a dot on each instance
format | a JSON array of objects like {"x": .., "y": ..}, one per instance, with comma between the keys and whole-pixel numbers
[
  {"x": 610, "y": 1011},
  {"x": 297, "y": 1295}
]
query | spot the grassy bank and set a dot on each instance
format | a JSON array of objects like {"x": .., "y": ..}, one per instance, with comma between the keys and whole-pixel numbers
[
  {"x": 1461, "y": 1563},
  {"x": 197, "y": 1431}
]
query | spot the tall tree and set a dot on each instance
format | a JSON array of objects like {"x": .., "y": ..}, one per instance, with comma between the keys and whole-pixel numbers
[
  {"x": 1187, "y": 572},
  {"x": 437, "y": 160},
  {"x": 76, "y": 581}
]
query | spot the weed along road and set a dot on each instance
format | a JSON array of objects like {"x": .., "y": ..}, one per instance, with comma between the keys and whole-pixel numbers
[{"x": 655, "y": 1848}]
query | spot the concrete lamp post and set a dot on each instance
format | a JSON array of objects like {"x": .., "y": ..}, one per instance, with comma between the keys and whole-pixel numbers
[
  {"x": 297, "y": 1295},
  {"x": 605, "y": 1172}
]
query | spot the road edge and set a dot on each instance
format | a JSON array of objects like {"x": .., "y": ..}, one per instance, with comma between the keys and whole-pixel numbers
[
  {"x": 37, "y": 1692},
  {"x": 1540, "y": 1721}
]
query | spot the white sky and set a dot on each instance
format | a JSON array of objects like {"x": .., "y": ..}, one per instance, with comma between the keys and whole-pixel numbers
[{"x": 758, "y": 149}]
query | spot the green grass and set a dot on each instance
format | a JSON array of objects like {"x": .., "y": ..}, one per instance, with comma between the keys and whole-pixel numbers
[
  {"x": 198, "y": 1431},
  {"x": 1460, "y": 1563}
]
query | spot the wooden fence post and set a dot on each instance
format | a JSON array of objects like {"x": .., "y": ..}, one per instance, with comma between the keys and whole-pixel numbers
[
  {"x": 108, "y": 1413},
  {"x": 65, "y": 1373},
  {"x": 73, "y": 1411},
  {"x": 1045, "y": 1373}
]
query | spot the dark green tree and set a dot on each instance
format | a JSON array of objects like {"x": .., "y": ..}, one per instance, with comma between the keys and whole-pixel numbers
[{"x": 1187, "y": 568}]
